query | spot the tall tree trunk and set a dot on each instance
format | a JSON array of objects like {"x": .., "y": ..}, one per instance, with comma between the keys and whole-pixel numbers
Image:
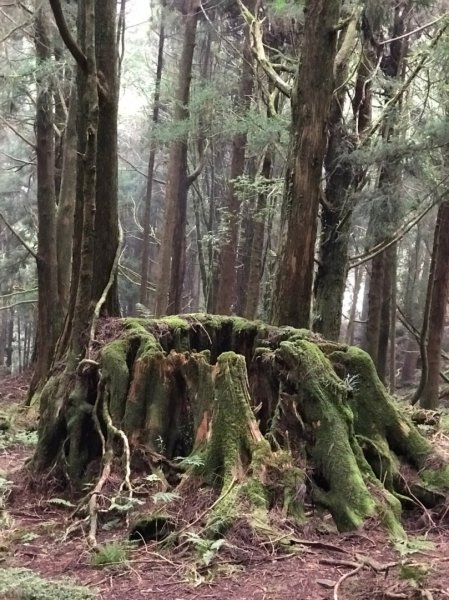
[
  {"x": 10, "y": 340},
  {"x": 145, "y": 260},
  {"x": 49, "y": 308},
  {"x": 336, "y": 212},
  {"x": 439, "y": 282},
  {"x": 106, "y": 237},
  {"x": 310, "y": 111},
  {"x": 355, "y": 298},
  {"x": 87, "y": 178},
  {"x": 227, "y": 277},
  {"x": 173, "y": 240},
  {"x": 257, "y": 246},
  {"x": 386, "y": 219},
  {"x": 66, "y": 205}
]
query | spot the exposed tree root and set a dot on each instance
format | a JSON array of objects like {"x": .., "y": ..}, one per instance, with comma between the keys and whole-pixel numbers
[{"x": 268, "y": 418}]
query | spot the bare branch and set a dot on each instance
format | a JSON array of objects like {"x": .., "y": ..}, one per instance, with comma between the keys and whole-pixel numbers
[
  {"x": 18, "y": 236},
  {"x": 14, "y": 130}
]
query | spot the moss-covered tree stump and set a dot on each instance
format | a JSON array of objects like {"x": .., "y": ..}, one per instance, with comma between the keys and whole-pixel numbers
[{"x": 265, "y": 417}]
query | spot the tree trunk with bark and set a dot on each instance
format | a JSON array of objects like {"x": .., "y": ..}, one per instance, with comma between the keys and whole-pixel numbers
[
  {"x": 256, "y": 255},
  {"x": 49, "y": 308},
  {"x": 310, "y": 111},
  {"x": 145, "y": 260},
  {"x": 106, "y": 195},
  {"x": 172, "y": 255},
  {"x": 227, "y": 277},
  {"x": 385, "y": 220},
  {"x": 66, "y": 204},
  {"x": 439, "y": 283},
  {"x": 266, "y": 417}
]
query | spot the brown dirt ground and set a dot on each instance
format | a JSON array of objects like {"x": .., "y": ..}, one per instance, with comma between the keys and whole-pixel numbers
[{"x": 36, "y": 538}]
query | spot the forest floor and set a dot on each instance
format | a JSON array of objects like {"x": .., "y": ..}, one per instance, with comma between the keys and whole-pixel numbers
[{"x": 35, "y": 533}]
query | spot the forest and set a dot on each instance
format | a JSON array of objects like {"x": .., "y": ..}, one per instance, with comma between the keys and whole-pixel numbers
[{"x": 224, "y": 274}]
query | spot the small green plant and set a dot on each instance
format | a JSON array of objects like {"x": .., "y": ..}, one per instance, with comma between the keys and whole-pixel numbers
[
  {"x": 413, "y": 545},
  {"x": 23, "y": 584},
  {"x": 415, "y": 573},
  {"x": 165, "y": 497},
  {"x": 114, "y": 554},
  {"x": 13, "y": 438},
  {"x": 191, "y": 461},
  {"x": 5, "y": 488},
  {"x": 206, "y": 549}
]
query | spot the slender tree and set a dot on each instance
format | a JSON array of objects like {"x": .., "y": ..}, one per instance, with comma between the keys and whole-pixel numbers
[
  {"x": 172, "y": 259},
  {"x": 147, "y": 217},
  {"x": 49, "y": 308}
]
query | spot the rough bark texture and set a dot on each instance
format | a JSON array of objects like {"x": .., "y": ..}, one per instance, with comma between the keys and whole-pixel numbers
[
  {"x": 310, "y": 108},
  {"x": 257, "y": 245},
  {"x": 49, "y": 310},
  {"x": 66, "y": 205},
  {"x": 384, "y": 221},
  {"x": 265, "y": 416},
  {"x": 106, "y": 194},
  {"x": 439, "y": 297},
  {"x": 227, "y": 277},
  {"x": 86, "y": 186},
  {"x": 145, "y": 261},
  {"x": 336, "y": 212},
  {"x": 171, "y": 262}
]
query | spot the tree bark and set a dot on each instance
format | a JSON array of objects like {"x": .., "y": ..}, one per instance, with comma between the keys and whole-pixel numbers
[
  {"x": 145, "y": 260},
  {"x": 66, "y": 205},
  {"x": 106, "y": 237},
  {"x": 439, "y": 298},
  {"x": 310, "y": 111},
  {"x": 257, "y": 246},
  {"x": 89, "y": 117},
  {"x": 49, "y": 308},
  {"x": 336, "y": 211},
  {"x": 227, "y": 277},
  {"x": 171, "y": 262}
]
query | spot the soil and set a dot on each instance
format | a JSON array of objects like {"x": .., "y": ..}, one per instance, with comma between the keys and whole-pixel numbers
[{"x": 40, "y": 535}]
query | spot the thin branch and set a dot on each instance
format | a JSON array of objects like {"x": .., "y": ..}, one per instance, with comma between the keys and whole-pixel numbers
[
  {"x": 398, "y": 95},
  {"x": 137, "y": 170},
  {"x": 18, "y": 236},
  {"x": 196, "y": 173},
  {"x": 66, "y": 35},
  {"x": 398, "y": 235},
  {"x": 17, "y": 293},
  {"x": 10, "y": 33},
  {"x": 14, "y": 130},
  {"x": 18, "y": 304},
  {"x": 417, "y": 30}
]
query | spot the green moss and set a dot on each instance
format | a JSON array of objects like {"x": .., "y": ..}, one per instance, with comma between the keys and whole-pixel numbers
[
  {"x": 323, "y": 405},
  {"x": 23, "y": 584},
  {"x": 175, "y": 322},
  {"x": 376, "y": 414},
  {"x": 436, "y": 478},
  {"x": 115, "y": 373}
]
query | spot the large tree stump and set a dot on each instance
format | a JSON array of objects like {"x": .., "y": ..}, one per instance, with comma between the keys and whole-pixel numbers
[{"x": 267, "y": 417}]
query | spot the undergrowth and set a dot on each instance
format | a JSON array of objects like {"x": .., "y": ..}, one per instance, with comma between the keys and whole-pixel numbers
[
  {"x": 114, "y": 554},
  {"x": 23, "y": 584}
]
